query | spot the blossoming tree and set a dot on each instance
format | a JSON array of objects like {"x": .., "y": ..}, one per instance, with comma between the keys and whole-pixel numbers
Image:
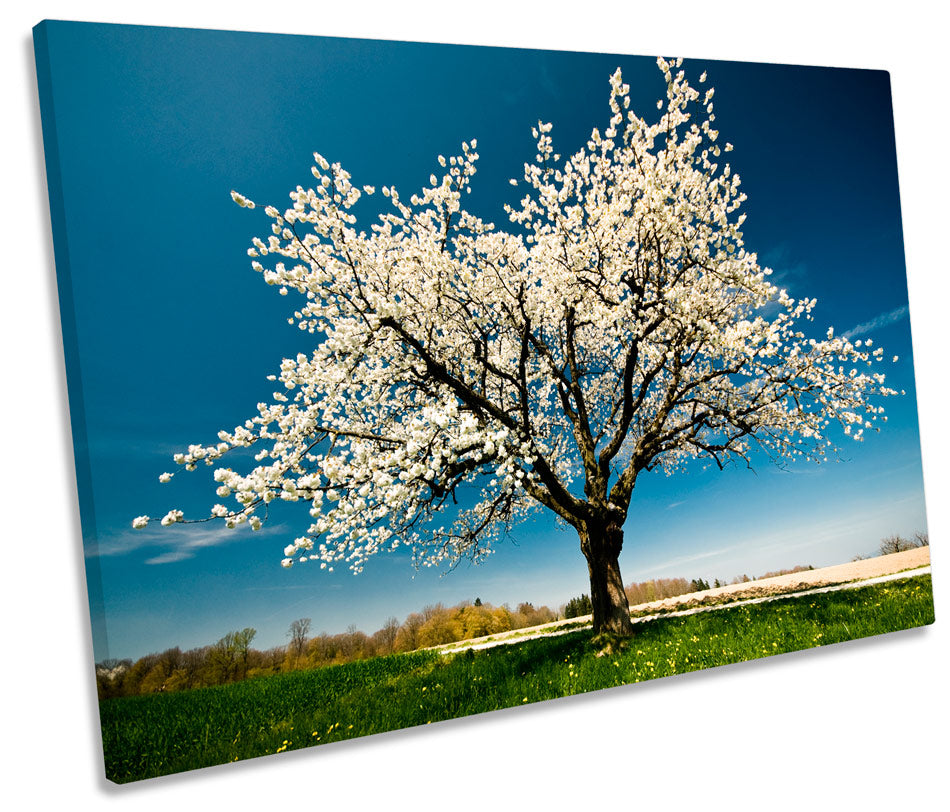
[{"x": 464, "y": 376}]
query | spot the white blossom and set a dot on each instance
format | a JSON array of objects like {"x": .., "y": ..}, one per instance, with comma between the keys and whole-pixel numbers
[
  {"x": 620, "y": 325},
  {"x": 241, "y": 200},
  {"x": 172, "y": 517}
]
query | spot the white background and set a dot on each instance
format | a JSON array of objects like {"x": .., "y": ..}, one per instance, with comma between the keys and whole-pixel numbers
[{"x": 863, "y": 724}]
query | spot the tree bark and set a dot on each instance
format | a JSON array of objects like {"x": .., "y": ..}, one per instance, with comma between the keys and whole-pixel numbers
[{"x": 601, "y": 543}]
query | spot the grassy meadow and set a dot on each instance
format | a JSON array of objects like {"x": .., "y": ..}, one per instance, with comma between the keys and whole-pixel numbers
[{"x": 159, "y": 734}]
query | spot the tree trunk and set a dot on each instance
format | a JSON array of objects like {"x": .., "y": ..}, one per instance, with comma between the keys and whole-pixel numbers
[{"x": 601, "y": 544}]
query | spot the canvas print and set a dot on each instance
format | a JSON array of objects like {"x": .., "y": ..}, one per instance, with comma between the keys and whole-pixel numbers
[{"x": 413, "y": 381}]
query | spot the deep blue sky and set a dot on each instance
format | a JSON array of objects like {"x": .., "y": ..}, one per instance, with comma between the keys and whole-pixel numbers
[{"x": 176, "y": 334}]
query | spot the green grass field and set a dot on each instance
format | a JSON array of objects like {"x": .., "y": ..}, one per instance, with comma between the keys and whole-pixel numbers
[{"x": 148, "y": 736}]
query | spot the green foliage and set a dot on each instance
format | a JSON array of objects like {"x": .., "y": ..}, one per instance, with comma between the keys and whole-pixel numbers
[
  {"x": 165, "y": 733},
  {"x": 232, "y": 659},
  {"x": 578, "y": 607}
]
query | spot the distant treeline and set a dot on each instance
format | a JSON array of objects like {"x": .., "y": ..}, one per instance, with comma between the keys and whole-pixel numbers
[
  {"x": 660, "y": 588},
  {"x": 232, "y": 658},
  {"x": 744, "y": 579},
  {"x": 898, "y": 544}
]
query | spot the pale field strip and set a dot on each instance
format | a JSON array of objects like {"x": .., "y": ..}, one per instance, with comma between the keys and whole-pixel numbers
[{"x": 808, "y": 582}]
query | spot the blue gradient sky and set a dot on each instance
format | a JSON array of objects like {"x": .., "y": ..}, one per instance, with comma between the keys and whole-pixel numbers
[{"x": 176, "y": 334}]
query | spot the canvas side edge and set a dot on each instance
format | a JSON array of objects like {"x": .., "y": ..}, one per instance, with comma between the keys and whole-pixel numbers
[{"x": 64, "y": 287}]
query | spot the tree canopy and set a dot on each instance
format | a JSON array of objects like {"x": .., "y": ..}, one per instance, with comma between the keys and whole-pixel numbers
[{"x": 464, "y": 375}]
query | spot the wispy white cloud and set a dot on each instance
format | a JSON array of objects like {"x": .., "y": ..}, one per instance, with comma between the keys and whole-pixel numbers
[
  {"x": 688, "y": 559},
  {"x": 168, "y": 558},
  {"x": 879, "y": 321},
  {"x": 857, "y": 530},
  {"x": 180, "y": 542}
]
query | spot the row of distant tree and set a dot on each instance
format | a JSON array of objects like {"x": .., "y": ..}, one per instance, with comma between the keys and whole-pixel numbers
[
  {"x": 897, "y": 544},
  {"x": 660, "y": 588},
  {"x": 232, "y": 658}
]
